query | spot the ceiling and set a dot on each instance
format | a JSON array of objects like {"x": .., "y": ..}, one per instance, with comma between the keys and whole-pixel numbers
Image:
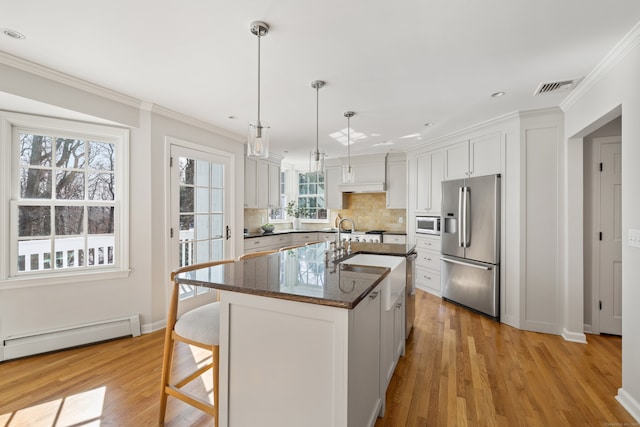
[{"x": 397, "y": 64}]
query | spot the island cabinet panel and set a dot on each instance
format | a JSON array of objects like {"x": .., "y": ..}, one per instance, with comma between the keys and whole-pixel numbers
[{"x": 289, "y": 363}]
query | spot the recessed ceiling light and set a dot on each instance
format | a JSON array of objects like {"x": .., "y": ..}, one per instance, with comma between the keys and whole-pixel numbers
[
  {"x": 13, "y": 34},
  {"x": 497, "y": 94},
  {"x": 428, "y": 124},
  {"x": 231, "y": 117}
]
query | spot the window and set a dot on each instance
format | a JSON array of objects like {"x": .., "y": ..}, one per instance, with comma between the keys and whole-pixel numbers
[
  {"x": 279, "y": 214},
  {"x": 66, "y": 200},
  {"x": 311, "y": 195}
]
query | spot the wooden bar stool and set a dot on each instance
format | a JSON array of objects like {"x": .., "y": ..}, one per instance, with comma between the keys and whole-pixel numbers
[
  {"x": 256, "y": 254},
  {"x": 288, "y": 248},
  {"x": 199, "y": 327}
]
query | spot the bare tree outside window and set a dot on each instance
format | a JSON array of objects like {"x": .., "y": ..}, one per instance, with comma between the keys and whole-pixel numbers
[{"x": 72, "y": 180}]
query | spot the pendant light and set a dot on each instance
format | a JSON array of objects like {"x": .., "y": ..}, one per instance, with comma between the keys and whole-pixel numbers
[
  {"x": 258, "y": 137},
  {"x": 348, "y": 176},
  {"x": 317, "y": 157}
]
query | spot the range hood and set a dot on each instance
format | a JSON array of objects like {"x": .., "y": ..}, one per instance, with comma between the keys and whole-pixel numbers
[{"x": 363, "y": 187}]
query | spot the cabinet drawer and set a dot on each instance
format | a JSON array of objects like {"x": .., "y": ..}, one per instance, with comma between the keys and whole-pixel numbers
[
  {"x": 428, "y": 279},
  {"x": 394, "y": 238},
  {"x": 429, "y": 243},
  {"x": 304, "y": 237},
  {"x": 428, "y": 259}
]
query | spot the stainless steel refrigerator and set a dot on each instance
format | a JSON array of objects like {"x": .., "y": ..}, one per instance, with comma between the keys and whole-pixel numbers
[{"x": 470, "y": 239}]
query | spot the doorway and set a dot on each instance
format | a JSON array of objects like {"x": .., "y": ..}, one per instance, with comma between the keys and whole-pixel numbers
[
  {"x": 200, "y": 210},
  {"x": 603, "y": 232}
]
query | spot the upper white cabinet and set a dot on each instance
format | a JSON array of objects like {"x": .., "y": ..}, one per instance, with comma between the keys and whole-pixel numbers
[
  {"x": 473, "y": 157},
  {"x": 396, "y": 182},
  {"x": 332, "y": 181},
  {"x": 262, "y": 183},
  {"x": 430, "y": 173}
]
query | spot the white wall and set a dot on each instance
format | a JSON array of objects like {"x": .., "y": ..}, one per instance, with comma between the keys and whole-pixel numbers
[
  {"x": 36, "y": 308},
  {"x": 612, "y": 88}
]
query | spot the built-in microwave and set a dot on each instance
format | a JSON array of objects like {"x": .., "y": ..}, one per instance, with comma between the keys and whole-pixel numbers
[{"x": 428, "y": 224}]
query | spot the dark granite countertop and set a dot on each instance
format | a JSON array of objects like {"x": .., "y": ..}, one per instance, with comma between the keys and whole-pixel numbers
[
  {"x": 298, "y": 275},
  {"x": 301, "y": 274},
  {"x": 289, "y": 231}
]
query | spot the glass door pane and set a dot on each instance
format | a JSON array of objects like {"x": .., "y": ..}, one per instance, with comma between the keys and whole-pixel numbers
[{"x": 202, "y": 216}]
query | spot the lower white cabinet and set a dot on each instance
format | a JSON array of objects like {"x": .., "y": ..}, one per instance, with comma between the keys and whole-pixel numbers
[
  {"x": 264, "y": 243},
  {"x": 428, "y": 264},
  {"x": 300, "y": 238},
  {"x": 394, "y": 238},
  {"x": 289, "y": 364},
  {"x": 392, "y": 340},
  {"x": 365, "y": 396}
]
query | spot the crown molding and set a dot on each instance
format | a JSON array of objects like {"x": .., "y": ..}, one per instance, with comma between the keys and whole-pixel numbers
[
  {"x": 619, "y": 52},
  {"x": 66, "y": 79},
  {"x": 171, "y": 114},
  {"x": 83, "y": 85}
]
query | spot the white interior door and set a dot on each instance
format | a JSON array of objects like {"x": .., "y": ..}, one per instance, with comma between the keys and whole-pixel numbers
[
  {"x": 610, "y": 245},
  {"x": 200, "y": 210}
]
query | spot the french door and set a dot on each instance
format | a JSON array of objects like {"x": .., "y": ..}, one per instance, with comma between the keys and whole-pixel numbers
[{"x": 200, "y": 209}]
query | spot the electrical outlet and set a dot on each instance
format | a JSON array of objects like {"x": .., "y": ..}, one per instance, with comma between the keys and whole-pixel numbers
[
  {"x": 634, "y": 238},
  {"x": 400, "y": 220}
]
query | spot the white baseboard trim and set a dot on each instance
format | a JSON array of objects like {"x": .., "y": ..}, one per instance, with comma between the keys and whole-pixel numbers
[
  {"x": 153, "y": 327},
  {"x": 629, "y": 403},
  {"x": 578, "y": 337},
  {"x": 588, "y": 329},
  {"x": 44, "y": 341}
]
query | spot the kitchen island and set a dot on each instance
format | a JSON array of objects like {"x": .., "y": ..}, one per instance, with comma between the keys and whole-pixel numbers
[{"x": 299, "y": 339}]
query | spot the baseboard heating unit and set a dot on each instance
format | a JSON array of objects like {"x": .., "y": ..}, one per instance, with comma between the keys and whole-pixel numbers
[{"x": 41, "y": 342}]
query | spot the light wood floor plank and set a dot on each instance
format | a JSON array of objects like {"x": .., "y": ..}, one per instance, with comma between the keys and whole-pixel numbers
[{"x": 459, "y": 369}]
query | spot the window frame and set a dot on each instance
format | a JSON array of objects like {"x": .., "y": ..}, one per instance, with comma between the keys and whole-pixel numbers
[{"x": 10, "y": 196}]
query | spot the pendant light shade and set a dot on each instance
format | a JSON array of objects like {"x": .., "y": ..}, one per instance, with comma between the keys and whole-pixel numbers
[
  {"x": 317, "y": 157},
  {"x": 258, "y": 136},
  {"x": 348, "y": 177}
]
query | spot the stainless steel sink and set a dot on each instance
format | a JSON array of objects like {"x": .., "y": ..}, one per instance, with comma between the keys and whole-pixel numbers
[{"x": 392, "y": 288}]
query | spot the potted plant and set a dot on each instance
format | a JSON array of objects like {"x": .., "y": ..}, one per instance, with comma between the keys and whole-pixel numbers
[{"x": 296, "y": 212}]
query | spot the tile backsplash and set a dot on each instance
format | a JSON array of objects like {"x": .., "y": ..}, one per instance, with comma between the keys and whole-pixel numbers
[{"x": 368, "y": 211}]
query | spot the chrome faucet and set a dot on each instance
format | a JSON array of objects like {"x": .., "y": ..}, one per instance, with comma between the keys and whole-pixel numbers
[{"x": 353, "y": 228}]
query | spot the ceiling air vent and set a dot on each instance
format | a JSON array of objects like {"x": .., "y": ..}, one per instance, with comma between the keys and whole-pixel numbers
[{"x": 561, "y": 86}]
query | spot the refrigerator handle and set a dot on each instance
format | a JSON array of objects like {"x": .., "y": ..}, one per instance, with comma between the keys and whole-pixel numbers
[
  {"x": 466, "y": 264},
  {"x": 460, "y": 218},
  {"x": 467, "y": 222}
]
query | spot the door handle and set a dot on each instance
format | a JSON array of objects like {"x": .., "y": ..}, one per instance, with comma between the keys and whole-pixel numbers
[
  {"x": 467, "y": 224},
  {"x": 460, "y": 217}
]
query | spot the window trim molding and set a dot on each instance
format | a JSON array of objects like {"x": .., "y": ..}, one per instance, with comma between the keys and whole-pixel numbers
[{"x": 8, "y": 187}]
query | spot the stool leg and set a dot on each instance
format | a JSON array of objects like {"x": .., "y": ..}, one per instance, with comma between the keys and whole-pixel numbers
[
  {"x": 166, "y": 374},
  {"x": 216, "y": 379}
]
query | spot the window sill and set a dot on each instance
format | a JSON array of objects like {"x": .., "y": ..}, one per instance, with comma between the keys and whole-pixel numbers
[{"x": 30, "y": 281}]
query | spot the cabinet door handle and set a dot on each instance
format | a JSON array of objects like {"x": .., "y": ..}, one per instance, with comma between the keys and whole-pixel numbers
[{"x": 373, "y": 295}]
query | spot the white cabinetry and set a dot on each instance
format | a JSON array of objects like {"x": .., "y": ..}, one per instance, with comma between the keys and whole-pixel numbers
[
  {"x": 396, "y": 182},
  {"x": 302, "y": 238},
  {"x": 261, "y": 183},
  {"x": 428, "y": 264},
  {"x": 430, "y": 171},
  {"x": 473, "y": 157},
  {"x": 263, "y": 243},
  {"x": 332, "y": 181},
  {"x": 332, "y": 354},
  {"x": 394, "y": 238},
  {"x": 365, "y": 396}
]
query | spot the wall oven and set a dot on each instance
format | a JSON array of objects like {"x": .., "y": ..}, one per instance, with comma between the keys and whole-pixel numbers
[{"x": 428, "y": 224}]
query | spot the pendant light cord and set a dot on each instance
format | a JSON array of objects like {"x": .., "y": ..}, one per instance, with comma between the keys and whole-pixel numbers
[
  {"x": 317, "y": 155},
  {"x": 259, "y": 124},
  {"x": 349, "y": 141}
]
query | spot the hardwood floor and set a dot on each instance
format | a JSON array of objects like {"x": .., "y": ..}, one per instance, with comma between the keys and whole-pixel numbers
[{"x": 460, "y": 369}]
